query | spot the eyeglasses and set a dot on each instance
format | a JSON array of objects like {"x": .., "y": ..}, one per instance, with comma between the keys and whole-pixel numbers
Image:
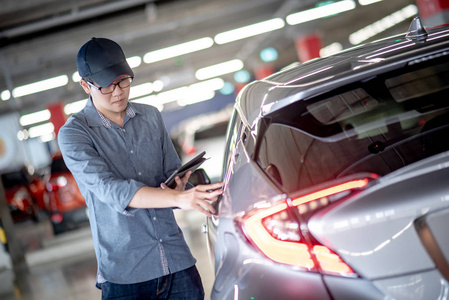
[{"x": 123, "y": 84}]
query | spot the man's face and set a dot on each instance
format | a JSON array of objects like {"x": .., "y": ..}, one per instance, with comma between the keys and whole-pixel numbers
[{"x": 110, "y": 102}]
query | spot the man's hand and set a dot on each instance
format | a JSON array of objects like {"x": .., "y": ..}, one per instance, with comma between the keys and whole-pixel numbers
[
  {"x": 198, "y": 198},
  {"x": 180, "y": 182}
]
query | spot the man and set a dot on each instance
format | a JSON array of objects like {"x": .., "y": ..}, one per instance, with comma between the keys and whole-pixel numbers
[{"x": 120, "y": 154}]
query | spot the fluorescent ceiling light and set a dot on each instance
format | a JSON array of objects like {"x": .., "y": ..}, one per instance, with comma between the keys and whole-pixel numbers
[
  {"x": 196, "y": 98},
  {"x": 248, "y": 31},
  {"x": 134, "y": 61},
  {"x": 177, "y": 50},
  {"x": 320, "y": 12},
  {"x": 74, "y": 107},
  {"x": 40, "y": 86},
  {"x": 383, "y": 24},
  {"x": 184, "y": 94},
  {"x": 39, "y": 130},
  {"x": 47, "y": 137},
  {"x": 76, "y": 77},
  {"x": 368, "y": 2},
  {"x": 5, "y": 95},
  {"x": 331, "y": 49},
  {"x": 36, "y": 117},
  {"x": 141, "y": 90},
  {"x": 219, "y": 69},
  {"x": 158, "y": 85}
]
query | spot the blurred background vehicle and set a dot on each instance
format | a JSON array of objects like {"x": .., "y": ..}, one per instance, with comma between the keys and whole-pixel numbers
[
  {"x": 25, "y": 194},
  {"x": 66, "y": 206},
  {"x": 206, "y": 132},
  {"x": 336, "y": 178}
]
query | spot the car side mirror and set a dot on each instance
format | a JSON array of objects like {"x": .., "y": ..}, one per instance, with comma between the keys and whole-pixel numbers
[{"x": 199, "y": 176}]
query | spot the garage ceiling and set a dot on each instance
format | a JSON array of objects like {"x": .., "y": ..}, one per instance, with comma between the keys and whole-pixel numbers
[{"x": 40, "y": 39}]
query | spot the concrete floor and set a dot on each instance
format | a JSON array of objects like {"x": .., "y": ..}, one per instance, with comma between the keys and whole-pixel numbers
[{"x": 64, "y": 267}]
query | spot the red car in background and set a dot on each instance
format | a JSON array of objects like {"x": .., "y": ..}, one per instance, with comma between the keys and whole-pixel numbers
[
  {"x": 66, "y": 206},
  {"x": 25, "y": 194}
]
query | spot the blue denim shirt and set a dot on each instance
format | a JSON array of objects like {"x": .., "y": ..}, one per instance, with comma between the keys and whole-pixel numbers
[{"x": 110, "y": 164}]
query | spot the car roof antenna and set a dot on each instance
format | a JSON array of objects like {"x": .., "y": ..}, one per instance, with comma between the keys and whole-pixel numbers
[{"x": 416, "y": 31}]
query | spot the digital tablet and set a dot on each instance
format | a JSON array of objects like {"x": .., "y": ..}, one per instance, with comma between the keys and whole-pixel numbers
[{"x": 191, "y": 165}]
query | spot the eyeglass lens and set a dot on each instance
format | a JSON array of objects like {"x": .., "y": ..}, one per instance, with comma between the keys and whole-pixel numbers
[{"x": 124, "y": 83}]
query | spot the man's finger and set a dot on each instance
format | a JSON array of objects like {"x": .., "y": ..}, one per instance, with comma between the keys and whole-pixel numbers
[{"x": 208, "y": 187}]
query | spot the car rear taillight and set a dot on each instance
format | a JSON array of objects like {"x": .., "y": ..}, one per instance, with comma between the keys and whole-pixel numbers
[
  {"x": 56, "y": 218},
  {"x": 55, "y": 184},
  {"x": 280, "y": 231}
]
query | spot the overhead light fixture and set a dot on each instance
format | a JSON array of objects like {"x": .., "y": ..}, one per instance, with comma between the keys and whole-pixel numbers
[
  {"x": 227, "y": 89},
  {"x": 320, "y": 12},
  {"x": 177, "y": 50},
  {"x": 40, "y": 130},
  {"x": 242, "y": 76},
  {"x": 268, "y": 54},
  {"x": 47, "y": 137},
  {"x": 248, "y": 31},
  {"x": 141, "y": 90},
  {"x": 36, "y": 117},
  {"x": 74, "y": 107},
  {"x": 385, "y": 23},
  {"x": 158, "y": 85},
  {"x": 219, "y": 69},
  {"x": 5, "y": 95},
  {"x": 368, "y": 2},
  {"x": 331, "y": 49},
  {"x": 40, "y": 86},
  {"x": 190, "y": 99},
  {"x": 185, "y": 94},
  {"x": 134, "y": 61},
  {"x": 76, "y": 77}
]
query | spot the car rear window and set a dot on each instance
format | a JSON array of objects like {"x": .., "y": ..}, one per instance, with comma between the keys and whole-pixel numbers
[{"x": 378, "y": 126}]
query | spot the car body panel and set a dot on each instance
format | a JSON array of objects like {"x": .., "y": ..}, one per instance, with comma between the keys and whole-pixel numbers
[
  {"x": 418, "y": 286},
  {"x": 387, "y": 212},
  {"x": 391, "y": 231}
]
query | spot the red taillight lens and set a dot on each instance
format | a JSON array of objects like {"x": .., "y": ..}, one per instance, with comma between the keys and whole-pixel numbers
[
  {"x": 283, "y": 251},
  {"x": 330, "y": 262},
  {"x": 277, "y": 232},
  {"x": 56, "y": 218},
  {"x": 55, "y": 184}
]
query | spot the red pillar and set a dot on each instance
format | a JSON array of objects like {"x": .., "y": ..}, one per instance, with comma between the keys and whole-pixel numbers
[
  {"x": 433, "y": 12},
  {"x": 57, "y": 116},
  {"x": 308, "y": 47},
  {"x": 263, "y": 71}
]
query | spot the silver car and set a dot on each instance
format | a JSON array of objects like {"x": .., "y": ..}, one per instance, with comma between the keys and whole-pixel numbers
[{"x": 336, "y": 178}]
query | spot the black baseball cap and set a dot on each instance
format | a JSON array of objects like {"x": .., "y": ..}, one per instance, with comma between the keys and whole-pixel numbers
[{"x": 102, "y": 61}]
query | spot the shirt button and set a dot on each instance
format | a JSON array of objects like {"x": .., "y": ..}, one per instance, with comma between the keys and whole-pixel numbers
[
  {"x": 132, "y": 151},
  {"x": 140, "y": 173},
  {"x": 154, "y": 218},
  {"x": 160, "y": 240},
  {"x": 124, "y": 130}
]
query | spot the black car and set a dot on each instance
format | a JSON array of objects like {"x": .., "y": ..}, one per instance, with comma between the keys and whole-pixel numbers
[{"x": 336, "y": 177}]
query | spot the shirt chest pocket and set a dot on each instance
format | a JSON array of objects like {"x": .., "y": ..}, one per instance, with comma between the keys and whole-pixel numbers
[{"x": 150, "y": 152}]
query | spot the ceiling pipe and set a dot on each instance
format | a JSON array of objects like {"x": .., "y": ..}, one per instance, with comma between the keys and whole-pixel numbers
[{"x": 74, "y": 16}]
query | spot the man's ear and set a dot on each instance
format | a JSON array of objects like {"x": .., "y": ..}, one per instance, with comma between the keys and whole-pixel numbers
[{"x": 85, "y": 86}]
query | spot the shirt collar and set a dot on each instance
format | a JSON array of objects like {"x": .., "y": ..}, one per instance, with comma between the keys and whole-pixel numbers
[{"x": 130, "y": 112}]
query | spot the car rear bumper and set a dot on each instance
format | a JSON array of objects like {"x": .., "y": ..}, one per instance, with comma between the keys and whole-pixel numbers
[{"x": 69, "y": 220}]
